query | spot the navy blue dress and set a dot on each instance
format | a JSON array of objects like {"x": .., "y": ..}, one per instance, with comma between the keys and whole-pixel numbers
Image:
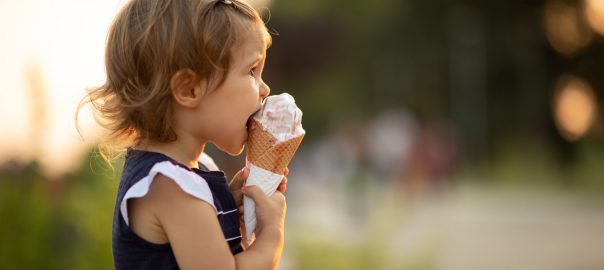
[{"x": 130, "y": 251}]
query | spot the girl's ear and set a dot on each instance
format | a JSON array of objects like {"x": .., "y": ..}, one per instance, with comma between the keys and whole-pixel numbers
[{"x": 186, "y": 88}]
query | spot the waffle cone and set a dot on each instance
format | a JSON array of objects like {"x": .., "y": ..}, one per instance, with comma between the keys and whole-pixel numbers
[{"x": 264, "y": 151}]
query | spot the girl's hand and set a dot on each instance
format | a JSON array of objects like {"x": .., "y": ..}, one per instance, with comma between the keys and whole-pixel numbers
[
  {"x": 270, "y": 211},
  {"x": 237, "y": 185},
  {"x": 238, "y": 182}
]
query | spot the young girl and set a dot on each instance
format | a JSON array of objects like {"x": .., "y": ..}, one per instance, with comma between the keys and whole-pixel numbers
[{"x": 180, "y": 74}]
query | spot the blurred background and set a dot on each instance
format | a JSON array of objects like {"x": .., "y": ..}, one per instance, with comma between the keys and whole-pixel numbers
[{"x": 455, "y": 134}]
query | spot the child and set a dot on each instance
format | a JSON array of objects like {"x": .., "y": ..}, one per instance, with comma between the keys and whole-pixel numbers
[{"x": 180, "y": 74}]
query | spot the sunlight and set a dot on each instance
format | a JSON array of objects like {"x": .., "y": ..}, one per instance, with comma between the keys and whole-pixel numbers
[{"x": 59, "y": 45}]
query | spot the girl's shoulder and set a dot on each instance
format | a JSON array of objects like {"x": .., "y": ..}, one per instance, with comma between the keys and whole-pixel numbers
[{"x": 142, "y": 168}]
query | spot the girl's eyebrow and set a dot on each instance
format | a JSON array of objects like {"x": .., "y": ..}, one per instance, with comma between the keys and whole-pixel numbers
[{"x": 256, "y": 60}]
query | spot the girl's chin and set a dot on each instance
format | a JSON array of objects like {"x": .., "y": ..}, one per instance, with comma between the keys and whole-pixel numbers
[
  {"x": 236, "y": 152},
  {"x": 233, "y": 150}
]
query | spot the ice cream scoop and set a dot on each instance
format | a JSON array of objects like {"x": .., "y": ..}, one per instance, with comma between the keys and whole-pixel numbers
[{"x": 281, "y": 117}]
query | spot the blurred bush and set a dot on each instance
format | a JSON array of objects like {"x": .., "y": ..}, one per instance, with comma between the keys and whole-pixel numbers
[{"x": 57, "y": 223}]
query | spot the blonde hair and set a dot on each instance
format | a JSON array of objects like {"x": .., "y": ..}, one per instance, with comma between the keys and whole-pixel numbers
[{"x": 147, "y": 43}]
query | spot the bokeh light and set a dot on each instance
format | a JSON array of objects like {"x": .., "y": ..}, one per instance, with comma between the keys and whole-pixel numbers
[
  {"x": 594, "y": 13},
  {"x": 565, "y": 27},
  {"x": 574, "y": 107}
]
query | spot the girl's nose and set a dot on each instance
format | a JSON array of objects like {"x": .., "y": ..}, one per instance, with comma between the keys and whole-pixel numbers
[{"x": 264, "y": 90}]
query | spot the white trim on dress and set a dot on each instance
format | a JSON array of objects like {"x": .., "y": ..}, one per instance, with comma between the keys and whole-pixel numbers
[{"x": 188, "y": 181}]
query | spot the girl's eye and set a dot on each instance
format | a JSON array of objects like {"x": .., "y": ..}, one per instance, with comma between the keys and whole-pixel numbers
[{"x": 253, "y": 72}]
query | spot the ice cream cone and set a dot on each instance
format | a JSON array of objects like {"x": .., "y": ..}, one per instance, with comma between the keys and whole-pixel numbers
[
  {"x": 269, "y": 151},
  {"x": 264, "y": 151}
]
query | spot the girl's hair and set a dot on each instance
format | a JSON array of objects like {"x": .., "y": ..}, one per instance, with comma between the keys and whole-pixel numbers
[{"x": 147, "y": 43}]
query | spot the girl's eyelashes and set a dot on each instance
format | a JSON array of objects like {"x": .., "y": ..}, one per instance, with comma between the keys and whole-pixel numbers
[{"x": 253, "y": 72}]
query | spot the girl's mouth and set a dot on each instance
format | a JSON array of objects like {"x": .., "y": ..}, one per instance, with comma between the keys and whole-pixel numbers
[{"x": 248, "y": 124}]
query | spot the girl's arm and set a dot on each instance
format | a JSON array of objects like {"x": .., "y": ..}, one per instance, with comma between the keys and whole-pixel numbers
[{"x": 191, "y": 227}]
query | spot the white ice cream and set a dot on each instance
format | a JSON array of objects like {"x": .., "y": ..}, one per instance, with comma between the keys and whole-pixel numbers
[{"x": 281, "y": 117}]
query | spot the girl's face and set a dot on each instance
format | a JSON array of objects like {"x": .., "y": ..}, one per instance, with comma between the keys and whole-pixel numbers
[{"x": 226, "y": 110}]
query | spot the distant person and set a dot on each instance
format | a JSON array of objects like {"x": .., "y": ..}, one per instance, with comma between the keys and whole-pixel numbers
[{"x": 181, "y": 74}]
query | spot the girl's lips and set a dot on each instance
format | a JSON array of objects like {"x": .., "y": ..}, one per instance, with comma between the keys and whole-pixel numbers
[
  {"x": 248, "y": 124},
  {"x": 249, "y": 120}
]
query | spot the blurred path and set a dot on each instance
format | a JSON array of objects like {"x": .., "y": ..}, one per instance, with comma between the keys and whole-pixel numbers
[{"x": 482, "y": 228}]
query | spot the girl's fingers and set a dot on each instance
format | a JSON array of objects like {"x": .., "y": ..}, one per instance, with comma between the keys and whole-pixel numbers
[
  {"x": 282, "y": 188},
  {"x": 255, "y": 193},
  {"x": 239, "y": 178},
  {"x": 283, "y": 185}
]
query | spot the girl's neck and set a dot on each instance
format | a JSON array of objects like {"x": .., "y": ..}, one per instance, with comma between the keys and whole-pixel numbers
[{"x": 184, "y": 151}]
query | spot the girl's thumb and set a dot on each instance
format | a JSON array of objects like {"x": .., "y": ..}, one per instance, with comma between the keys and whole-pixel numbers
[
  {"x": 254, "y": 192},
  {"x": 241, "y": 175}
]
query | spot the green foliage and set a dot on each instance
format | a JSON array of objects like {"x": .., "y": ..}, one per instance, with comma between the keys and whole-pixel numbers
[{"x": 57, "y": 223}]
